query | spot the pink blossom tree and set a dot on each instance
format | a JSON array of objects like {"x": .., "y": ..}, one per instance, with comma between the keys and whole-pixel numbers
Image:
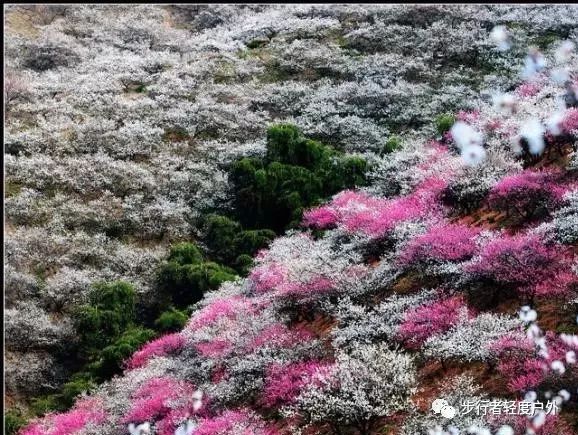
[
  {"x": 241, "y": 421},
  {"x": 421, "y": 323},
  {"x": 527, "y": 194},
  {"x": 85, "y": 412},
  {"x": 524, "y": 262},
  {"x": 447, "y": 242},
  {"x": 164, "y": 400},
  {"x": 165, "y": 345},
  {"x": 284, "y": 383}
]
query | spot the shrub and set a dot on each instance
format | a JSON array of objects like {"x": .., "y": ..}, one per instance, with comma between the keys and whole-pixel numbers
[
  {"x": 110, "y": 311},
  {"x": 284, "y": 383},
  {"x": 112, "y": 356},
  {"x": 243, "y": 264},
  {"x": 13, "y": 421},
  {"x": 220, "y": 233},
  {"x": 369, "y": 383},
  {"x": 162, "y": 346},
  {"x": 444, "y": 122},
  {"x": 185, "y": 253},
  {"x": 441, "y": 243},
  {"x": 186, "y": 284},
  {"x": 49, "y": 56},
  {"x": 227, "y": 240},
  {"x": 78, "y": 383},
  {"x": 43, "y": 405},
  {"x": 295, "y": 173},
  {"x": 171, "y": 320},
  {"x": 392, "y": 144},
  {"x": 522, "y": 261}
]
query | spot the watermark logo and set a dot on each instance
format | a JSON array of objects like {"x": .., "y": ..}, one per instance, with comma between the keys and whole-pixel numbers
[
  {"x": 441, "y": 406},
  {"x": 494, "y": 407}
]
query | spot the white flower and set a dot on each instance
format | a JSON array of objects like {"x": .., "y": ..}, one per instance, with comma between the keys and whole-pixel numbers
[
  {"x": 554, "y": 123},
  {"x": 501, "y": 37},
  {"x": 539, "y": 419},
  {"x": 535, "y": 62},
  {"x": 141, "y": 429},
  {"x": 571, "y": 357},
  {"x": 505, "y": 430},
  {"x": 533, "y": 332},
  {"x": 530, "y": 396},
  {"x": 187, "y": 428},
  {"x": 564, "y": 51},
  {"x": 473, "y": 155},
  {"x": 560, "y": 75},
  {"x": 564, "y": 394},
  {"x": 558, "y": 367},
  {"x": 569, "y": 339},
  {"x": 527, "y": 314},
  {"x": 533, "y": 131},
  {"x": 197, "y": 400},
  {"x": 464, "y": 135}
]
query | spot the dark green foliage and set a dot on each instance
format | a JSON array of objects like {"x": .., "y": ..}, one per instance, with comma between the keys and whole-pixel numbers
[
  {"x": 42, "y": 405},
  {"x": 13, "y": 421},
  {"x": 296, "y": 173},
  {"x": 220, "y": 233},
  {"x": 78, "y": 383},
  {"x": 393, "y": 143},
  {"x": 244, "y": 263},
  {"x": 248, "y": 242},
  {"x": 186, "y": 282},
  {"x": 172, "y": 320},
  {"x": 444, "y": 122},
  {"x": 227, "y": 240},
  {"x": 185, "y": 253},
  {"x": 285, "y": 144},
  {"x": 110, "y": 311},
  {"x": 113, "y": 355},
  {"x": 108, "y": 331}
]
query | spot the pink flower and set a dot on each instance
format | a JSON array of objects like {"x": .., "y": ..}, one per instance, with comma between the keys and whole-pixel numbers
[
  {"x": 279, "y": 335},
  {"x": 227, "y": 308},
  {"x": 524, "y": 261},
  {"x": 321, "y": 217},
  {"x": 570, "y": 122},
  {"x": 527, "y": 192},
  {"x": 527, "y": 89},
  {"x": 162, "y": 346},
  {"x": 523, "y": 375},
  {"x": 560, "y": 284},
  {"x": 421, "y": 323},
  {"x": 215, "y": 348},
  {"x": 315, "y": 285},
  {"x": 469, "y": 116},
  {"x": 284, "y": 382},
  {"x": 86, "y": 411},
  {"x": 448, "y": 242},
  {"x": 166, "y": 400},
  {"x": 268, "y": 276},
  {"x": 242, "y": 419}
]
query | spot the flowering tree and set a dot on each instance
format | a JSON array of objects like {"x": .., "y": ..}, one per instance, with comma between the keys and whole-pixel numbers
[
  {"x": 368, "y": 383},
  {"x": 525, "y": 262},
  {"x": 421, "y": 323},
  {"x": 527, "y": 194},
  {"x": 442, "y": 243}
]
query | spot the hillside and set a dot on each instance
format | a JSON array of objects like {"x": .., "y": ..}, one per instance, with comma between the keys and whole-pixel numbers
[{"x": 366, "y": 226}]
